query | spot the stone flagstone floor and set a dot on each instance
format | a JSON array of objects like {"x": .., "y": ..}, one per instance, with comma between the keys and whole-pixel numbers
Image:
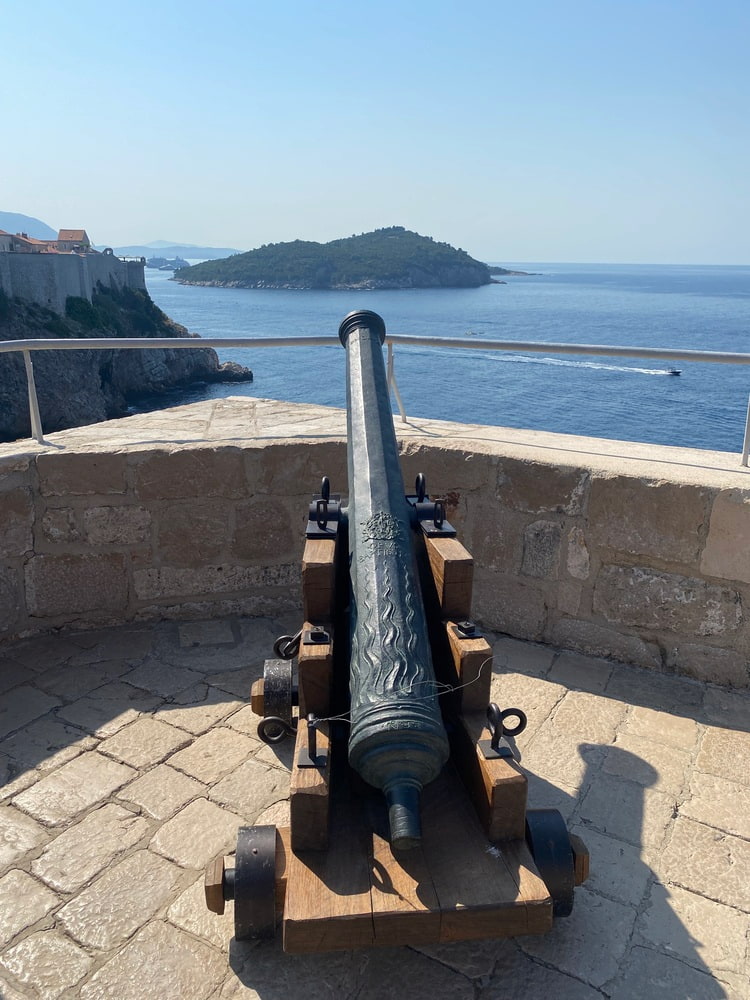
[{"x": 129, "y": 757}]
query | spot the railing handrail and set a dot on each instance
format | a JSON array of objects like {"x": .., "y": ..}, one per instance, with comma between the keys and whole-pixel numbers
[{"x": 26, "y": 347}]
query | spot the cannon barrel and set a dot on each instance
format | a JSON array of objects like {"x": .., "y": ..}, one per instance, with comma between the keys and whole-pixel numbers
[{"x": 397, "y": 741}]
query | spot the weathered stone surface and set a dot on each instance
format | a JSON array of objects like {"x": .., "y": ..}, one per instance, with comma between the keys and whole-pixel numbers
[
  {"x": 59, "y": 524},
  {"x": 536, "y": 697},
  {"x": 559, "y": 756},
  {"x": 649, "y": 763},
  {"x": 23, "y": 901},
  {"x": 709, "y": 862},
  {"x": 210, "y": 471},
  {"x": 726, "y": 753},
  {"x": 17, "y": 518},
  {"x": 504, "y": 604},
  {"x": 617, "y": 870},
  {"x": 178, "y": 967},
  {"x": 74, "y": 584},
  {"x": 723, "y": 803},
  {"x": 109, "y": 708},
  {"x": 11, "y": 598},
  {"x": 574, "y": 670},
  {"x": 590, "y": 943},
  {"x": 446, "y": 467},
  {"x": 265, "y": 537},
  {"x": 648, "y": 517},
  {"x": 47, "y": 962},
  {"x": 523, "y": 657},
  {"x": 662, "y": 692},
  {"x": 82, "y": 474},
  {"x": 14, "y": 777},
  {"x": 703, "y": 933},
  {"x": 199, "y": 833},
  {"x": 163, "y": 679},
  {"x": 586, "y": 717},
  {"x": 726, "y": 708},
  {"x": 122, "y": 900},
  {"x": 194, "y": 533},
  {"x": 642, "y": 597},
  {"x": 83, "y": 850},
  {"x": 75, "y": 786},
  {"x": 646, "y": 969},
  {"x": 46, "y": 744},
  {"x": 169, "y": 581},
  {"x": 497, "y": 534},
  {"x": 128, "y": 525},
  {"x": 597, "y": 640},
  {"x": 724, "y": 555},
  {"x": 250, "y": 788},
  {"x": 70, "y": 682},
  {"x": 541, "y": 549},
  {"x": 213, "y": 755},
  {"x": 198, "y": 709},
  {"x": 143, "y": 743},
  {"x": 578, "y": 558},
  {"x": 710, "y": 664},
  {"x": 18, "y": 834},
  {"x": 630, "y": 811},
  {"x": 162, "y": 791},
  {"x": 665, "y": 728},
  {"x": 190, "y": 913},
  {"x": 21, "y": 706},
  {"x": 540, "y": 489}
]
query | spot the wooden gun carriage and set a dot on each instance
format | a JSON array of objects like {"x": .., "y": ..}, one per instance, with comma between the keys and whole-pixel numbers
[{"x": 409, "y": 819}]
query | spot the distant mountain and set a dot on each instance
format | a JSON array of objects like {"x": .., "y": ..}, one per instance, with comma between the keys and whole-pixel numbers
[
  {"x": 386, "y": 258},
  {"x": 12, "y": 222},
  {"x": 174, "y": 250}
]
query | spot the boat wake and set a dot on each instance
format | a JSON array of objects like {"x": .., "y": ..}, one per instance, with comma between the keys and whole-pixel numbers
[{"x": 526, "y": 359}]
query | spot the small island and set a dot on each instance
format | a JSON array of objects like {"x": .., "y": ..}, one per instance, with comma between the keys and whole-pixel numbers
[{"x": 386, "y": 258}]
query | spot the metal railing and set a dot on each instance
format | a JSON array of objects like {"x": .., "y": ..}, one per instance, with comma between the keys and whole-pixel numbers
[{"x": 26, "y": 347}]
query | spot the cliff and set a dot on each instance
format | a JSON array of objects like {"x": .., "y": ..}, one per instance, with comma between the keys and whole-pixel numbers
[
  {"x": 84, "y": 387},
  {"x": 385, "y": 258}
]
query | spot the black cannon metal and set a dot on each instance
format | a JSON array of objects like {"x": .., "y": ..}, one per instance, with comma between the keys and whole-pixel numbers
[{"x": 386, "y": 597}]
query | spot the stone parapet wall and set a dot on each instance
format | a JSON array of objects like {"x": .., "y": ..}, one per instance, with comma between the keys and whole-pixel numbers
[
  {"x": 49, "y": 278},
  {"x": 644, "y": 563}
]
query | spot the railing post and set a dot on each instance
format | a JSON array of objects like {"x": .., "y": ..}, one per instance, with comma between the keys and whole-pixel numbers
[
  {"x": 392, "y": 384},
  {"x": 746, "y": 441},
  {"x": 36, "y": 420}
]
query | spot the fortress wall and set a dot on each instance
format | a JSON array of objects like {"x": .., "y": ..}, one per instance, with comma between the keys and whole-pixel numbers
[
  {"x": 648, "y": 567},
  {"x": 49, "y": 279}
]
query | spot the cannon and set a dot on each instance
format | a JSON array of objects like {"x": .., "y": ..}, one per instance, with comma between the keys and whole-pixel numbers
[{"x": 408, "y": 806}]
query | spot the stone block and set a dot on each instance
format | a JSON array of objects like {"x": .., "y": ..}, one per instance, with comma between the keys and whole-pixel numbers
[
  {"x": 124, "y": 526},
  {"x": 726, "y": 708},
  {"x": 541, "y": 549},
  {"x": 19, "y": 834},
  {"x": 495, "y": 535},
  {"x": 250, "y": 788},
  {"x": 23, "y": 901},
  {"x": 170, "y": 582},
  {"x": 649, "y": 763},
  {"x": 112, "y": 908},
  {"x": 446, "y": 468},
  {"x": 194, "y": 533},
  {"x": 504, "y": 604},
  {"x": 75, "y": 584},
  {"x": 17, "y": 519},
  {"x": 536, "y": 697},
  {"x": 72, "y": 474},
  {"x": 47, "y": 963},
  {"x": 21, "y": 706},
  {"x": 264, "y": 532},
  {"x": 109, "y": 708},
  {"x": 710, "y": 664},
  {"x": 69, "y": 682},
  {"x": 597, "y": 640},
  {"x": 575, "y": 670},
  {"x": 163, "y": 679},
  {"x": 721, "y": 802},
  {"x": 212, "y": 471},
  {"x": 648, "y": 517},
  {"x": 11, "y": 600},
  {"x": 189, "y": 912},
  {"x": 287, "y": 470},
  {"x": 83, "y": 850},
  {"x": 75, "y": 786},
  {"x": 541, "y": 489},
  {"x": 162, "y": 791},
  {"x": 646, "y": 969},
  {"x": 726, "y": 753},
  {"x": 200, "y": 709},
  {"x": 176, "y": 964},
  {"x": 629, "y": 810},
  {"x": 144, "y": 743},
  {"x": 213, "y": 755},
  {"x": 725, "y": 552},
  {"x": 708, "y": 862},
  {"x": 645, "y": 598},
  {"x": 526, "y": 658},
  {"x": 197, "y": 834},
  {"x": 578, "y": 559},
  {"x": 588, "y": 717},
  {"x": 60, "y": 525},
  {"x": 617, "y": 870},
  {"x": 663, "y": 727},
  {"x": 46, "y": 744}
]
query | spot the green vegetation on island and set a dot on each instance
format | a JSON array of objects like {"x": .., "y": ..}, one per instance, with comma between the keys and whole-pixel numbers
[{"x": 386, "y": 258}]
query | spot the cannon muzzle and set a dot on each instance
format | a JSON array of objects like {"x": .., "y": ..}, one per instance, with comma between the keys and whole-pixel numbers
[{"x": 397, "y": 741}]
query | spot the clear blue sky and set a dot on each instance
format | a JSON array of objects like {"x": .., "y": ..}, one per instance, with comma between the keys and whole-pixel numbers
[{"x": 549, "y": 131}]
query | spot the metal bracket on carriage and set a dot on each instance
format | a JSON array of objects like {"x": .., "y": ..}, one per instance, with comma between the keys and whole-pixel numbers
[
  {"x": 310, "y": 755},
  {"x": 325, "y": 513},
  {"x": 498, "y": 747},
  {"x": 430, "y": 513}
]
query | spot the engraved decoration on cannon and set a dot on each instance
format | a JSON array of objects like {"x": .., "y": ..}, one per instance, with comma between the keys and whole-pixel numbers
[{"x": 409, "y": 820}]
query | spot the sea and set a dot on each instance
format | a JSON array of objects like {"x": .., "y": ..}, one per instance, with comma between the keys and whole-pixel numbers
[{"x": 678, "y": 307}]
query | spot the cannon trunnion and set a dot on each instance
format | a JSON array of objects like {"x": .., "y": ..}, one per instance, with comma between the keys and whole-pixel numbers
[{"x": 409, "y": 820}]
